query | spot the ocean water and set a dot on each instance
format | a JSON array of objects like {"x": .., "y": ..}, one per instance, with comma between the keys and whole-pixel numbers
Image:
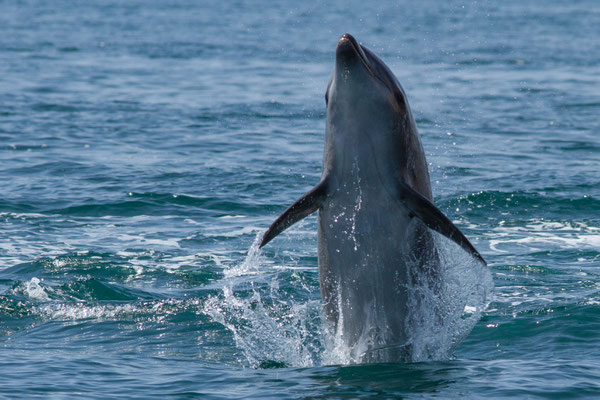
[{"x": 146, "y": 146}]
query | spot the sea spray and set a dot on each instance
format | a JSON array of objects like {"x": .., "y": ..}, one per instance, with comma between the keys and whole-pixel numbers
[
  {"x": 444, "y": 310},
  {"x": 269, "y": 328},
  {"x": 273, "y": 329}
]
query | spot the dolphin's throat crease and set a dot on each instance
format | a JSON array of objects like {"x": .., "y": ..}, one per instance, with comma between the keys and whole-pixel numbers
[{"x": 375, "y": 208}]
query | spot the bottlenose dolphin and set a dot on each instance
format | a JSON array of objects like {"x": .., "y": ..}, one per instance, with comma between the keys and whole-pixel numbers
[{"x": 375, "y": 205}]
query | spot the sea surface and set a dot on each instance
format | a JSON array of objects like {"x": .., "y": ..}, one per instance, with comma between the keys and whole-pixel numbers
[{"x": 145, "y": 146}]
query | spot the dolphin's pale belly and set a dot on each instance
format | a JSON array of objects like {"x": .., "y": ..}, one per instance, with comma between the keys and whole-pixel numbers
[{"x": 367, "y": 247}]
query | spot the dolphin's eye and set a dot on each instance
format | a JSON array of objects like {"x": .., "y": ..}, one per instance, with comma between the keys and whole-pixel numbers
[
  {"x": 327, "y": 91},
  {"x": 400, "y": 101}
]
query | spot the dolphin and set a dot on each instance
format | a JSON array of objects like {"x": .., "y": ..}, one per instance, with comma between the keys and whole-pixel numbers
[{"x": 376, "y": 211}]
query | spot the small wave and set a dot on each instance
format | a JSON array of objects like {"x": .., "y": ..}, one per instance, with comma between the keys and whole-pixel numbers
[
  {"x": 521, "y": 202},
  {"x": 475, "y": 61},
  {"x": 557, "y": 324},
  {"x": 247, "y": 230},
  {"x": 63, "y": 108},
  {"x": 156, "y": 204},
  {"x": 145, "y": 241},
  {"x": 81, "y": 289},
  {"x": 51, "y": 168},
  {"x": 93, "y": 289},
  {"x": 23, "y": 147},
  {"x": 267, "y": 110},
  {"x": 69, "y": 49}
]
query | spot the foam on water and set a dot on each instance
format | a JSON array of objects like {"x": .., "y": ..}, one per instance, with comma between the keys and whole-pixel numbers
[
  {"x": 48, "y": 304},
  {"x": 536, "y": 234}
]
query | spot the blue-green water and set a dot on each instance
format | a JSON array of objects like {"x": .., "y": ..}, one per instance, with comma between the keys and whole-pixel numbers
[{"x": 145, "y": 147}]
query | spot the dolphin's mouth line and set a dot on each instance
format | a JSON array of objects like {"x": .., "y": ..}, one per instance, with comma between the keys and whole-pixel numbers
[
  {"x": 363, "y": 59},
  {"x": 358, "y": 50}
]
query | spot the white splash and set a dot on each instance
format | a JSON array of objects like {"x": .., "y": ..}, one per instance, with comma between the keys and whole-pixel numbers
[
  {"x": 35, "y": 291},
  {"x": 268, "y": 324},
  {"x": 445, "y": 309},
  {"x": 445, "y": 303},
  {"x": 250, "y": 265},
  {"x": 268, "y": 331}
]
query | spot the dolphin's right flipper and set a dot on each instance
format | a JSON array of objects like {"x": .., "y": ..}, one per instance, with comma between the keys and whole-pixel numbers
[
  {"x": 303, "y": 207},
  {"x": 431, "y": 216}
]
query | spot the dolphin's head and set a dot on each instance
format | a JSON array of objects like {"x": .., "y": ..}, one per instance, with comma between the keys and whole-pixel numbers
[
  {"x": 359, "y": 73},
  {"x": 361, "y": 80},
  {"x": 368, "y": 115}
]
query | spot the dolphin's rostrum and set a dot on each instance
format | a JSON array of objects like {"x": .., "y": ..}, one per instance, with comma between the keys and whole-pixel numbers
[{"x": 374, "y": 202}]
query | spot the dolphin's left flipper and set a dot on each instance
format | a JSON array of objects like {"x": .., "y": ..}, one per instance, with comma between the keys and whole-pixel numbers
[
  {"x": 431, "y": 216},
  {"x": 303, "y": 207}
]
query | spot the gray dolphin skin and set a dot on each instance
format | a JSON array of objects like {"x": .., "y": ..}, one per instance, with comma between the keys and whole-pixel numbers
[{"x": 375, "y": 208}]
